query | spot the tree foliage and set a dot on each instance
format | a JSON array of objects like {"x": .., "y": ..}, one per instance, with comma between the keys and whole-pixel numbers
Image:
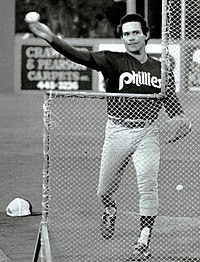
[
  {"x": 82, "y": 19},
  {"x": 73, "y": 18}
]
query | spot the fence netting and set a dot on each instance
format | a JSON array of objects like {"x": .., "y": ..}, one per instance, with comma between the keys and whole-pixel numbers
[
  {"x": 75, "y": 132},
  {"x": 75, "y": 128}
]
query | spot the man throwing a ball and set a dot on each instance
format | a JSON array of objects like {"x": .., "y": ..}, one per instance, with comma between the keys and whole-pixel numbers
[{"x": 131, "y": 132}]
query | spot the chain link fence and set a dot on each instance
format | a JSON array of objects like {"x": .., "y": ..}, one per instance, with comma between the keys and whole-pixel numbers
[
  {"x": 75, "y": 126},
  {"x": 74, "y": 135}
]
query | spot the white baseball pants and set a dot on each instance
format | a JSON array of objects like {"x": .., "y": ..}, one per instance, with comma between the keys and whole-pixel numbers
[{"x": 140, "y": 144}]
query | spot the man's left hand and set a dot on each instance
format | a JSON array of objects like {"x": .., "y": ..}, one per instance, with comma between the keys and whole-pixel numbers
[{"x": 184, "y": 128}]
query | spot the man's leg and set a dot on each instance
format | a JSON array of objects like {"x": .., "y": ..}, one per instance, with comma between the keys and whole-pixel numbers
[
  {"x": 115, "y": 156},
  {"x": 110, "y": 207},
  {"x": 146, "y": 222},
  {"x": 146, "y": 161}
]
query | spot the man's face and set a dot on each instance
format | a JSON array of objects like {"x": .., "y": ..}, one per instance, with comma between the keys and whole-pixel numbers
[{"x": 133, "y": 37}]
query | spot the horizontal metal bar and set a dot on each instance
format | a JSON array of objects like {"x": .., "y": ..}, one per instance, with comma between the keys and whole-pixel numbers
[{"x": 98, "y": 94}]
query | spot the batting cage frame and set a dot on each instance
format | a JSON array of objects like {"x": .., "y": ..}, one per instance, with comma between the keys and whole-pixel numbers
[
  {"x": 74, "y": 126},
  {"x": 178, "y": 223},
  {"x": 42, "y": 248}
]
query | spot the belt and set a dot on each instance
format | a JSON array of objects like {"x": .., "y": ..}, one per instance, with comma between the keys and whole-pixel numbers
[{"x": 131, "y": 123}]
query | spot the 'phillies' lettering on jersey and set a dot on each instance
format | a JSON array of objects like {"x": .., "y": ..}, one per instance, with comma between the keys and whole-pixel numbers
[
  {"x": 125, "y": 74},
  {"x": 138, "y": 79}
]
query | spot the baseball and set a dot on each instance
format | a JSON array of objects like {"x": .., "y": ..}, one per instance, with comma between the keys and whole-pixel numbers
[
  {"x": 32, "y": 17},
  {"x": 179, "y": 187}
]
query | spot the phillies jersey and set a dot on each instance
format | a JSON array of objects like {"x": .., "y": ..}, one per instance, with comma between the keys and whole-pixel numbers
[{"x": 125, "y": 74}]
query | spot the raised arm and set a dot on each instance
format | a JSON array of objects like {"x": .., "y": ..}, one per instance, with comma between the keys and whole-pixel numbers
[{"x": 78, "y": 55}]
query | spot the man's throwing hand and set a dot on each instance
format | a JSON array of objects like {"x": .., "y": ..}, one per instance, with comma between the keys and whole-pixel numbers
[{"x": 40, "y": 30}]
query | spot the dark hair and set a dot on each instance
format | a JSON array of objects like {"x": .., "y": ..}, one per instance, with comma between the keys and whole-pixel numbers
[{"x": 133, "y": 18}]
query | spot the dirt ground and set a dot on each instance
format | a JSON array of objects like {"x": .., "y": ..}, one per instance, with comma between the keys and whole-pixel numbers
[
  {"x": 20, "y": 172},
  {"x": 18, "y": 237}
]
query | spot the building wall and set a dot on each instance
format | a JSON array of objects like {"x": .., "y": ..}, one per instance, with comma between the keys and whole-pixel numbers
[{"x": 7, "y": 30}]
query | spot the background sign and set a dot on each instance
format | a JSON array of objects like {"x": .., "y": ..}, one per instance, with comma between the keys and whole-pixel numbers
[{"x": 43, "y": 68}]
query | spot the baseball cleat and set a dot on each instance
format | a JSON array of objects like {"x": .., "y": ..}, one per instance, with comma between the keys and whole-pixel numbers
[
  {"x": 140, "y": 253},
  {"x": 108, "y": 222}
]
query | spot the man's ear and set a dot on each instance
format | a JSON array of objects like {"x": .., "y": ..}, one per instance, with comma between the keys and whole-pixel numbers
[{"x": 147, "y": 36}]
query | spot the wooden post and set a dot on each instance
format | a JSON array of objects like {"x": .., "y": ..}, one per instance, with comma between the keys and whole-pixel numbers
[
  {"x": 130, "y": 6},
  {"x": 146, "y": 13},
  {"x": 183, "y": 49},
  {"x": 164, "y": 46}
]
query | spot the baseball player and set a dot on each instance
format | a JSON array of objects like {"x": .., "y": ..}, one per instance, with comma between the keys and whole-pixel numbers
[{"x": 131, "y": 132}]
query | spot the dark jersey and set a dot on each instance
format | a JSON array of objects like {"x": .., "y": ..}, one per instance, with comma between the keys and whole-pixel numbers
[{"x": 125, "y": 74}]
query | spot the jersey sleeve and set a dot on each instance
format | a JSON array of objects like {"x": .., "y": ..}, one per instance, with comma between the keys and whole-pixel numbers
[
  {"x": 171, "y": 102},
  {"x": 100, "y": 61},
  {"x": 105, "y": 62},
  {"x": 77, "y": 55}
]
